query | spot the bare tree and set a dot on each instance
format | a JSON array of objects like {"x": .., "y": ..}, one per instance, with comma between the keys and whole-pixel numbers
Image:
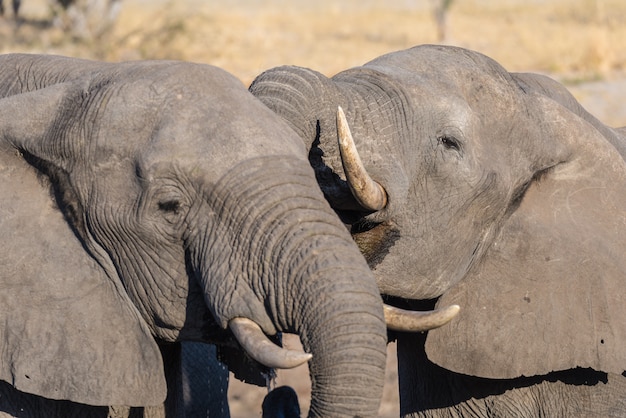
[
  {"x": 16, "y": 7},
  {"x": 86, "y": 19},
  {"x": 441, "y": 11}
]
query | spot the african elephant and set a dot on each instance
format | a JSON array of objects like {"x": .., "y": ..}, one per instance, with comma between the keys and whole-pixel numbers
[
  {"x": 159, "y": 201},
  {"x": 483, "y": 188}
]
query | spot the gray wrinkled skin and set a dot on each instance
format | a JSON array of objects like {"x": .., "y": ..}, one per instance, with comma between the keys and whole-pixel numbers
[
  {"x": 148, "y": 203},
  {"x": 505, "y": 197}
]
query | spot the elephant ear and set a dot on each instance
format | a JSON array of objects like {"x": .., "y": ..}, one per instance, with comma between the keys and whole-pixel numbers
[
  {"x": 550, "y": 293},
  {"x": 68, "y": 330}
]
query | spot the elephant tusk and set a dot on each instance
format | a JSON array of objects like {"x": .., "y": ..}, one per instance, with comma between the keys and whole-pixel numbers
[
  {"x": 367, "y": 192},
  {"x": 260, "y": 348},
  {"x": 413, "y": 321}
]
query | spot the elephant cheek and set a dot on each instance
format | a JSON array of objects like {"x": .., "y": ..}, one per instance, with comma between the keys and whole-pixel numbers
[
  {"x": 388, "y": 254},
  {"x": 411, "y": 270}
]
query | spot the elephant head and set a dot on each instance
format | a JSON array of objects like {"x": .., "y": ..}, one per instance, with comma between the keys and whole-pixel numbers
[
  {"x": 415, "y": 131},
  {"x": 490, "y": 190},
  {"x": 161, "y": 200}
]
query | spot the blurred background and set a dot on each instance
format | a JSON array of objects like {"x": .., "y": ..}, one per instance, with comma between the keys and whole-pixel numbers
[{"x": 581, "y": 43}]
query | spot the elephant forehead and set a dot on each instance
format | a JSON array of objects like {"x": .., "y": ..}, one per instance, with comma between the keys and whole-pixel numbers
[
  {"x": 450, "y": 69},
  {"x": 214, "y": 124},
  {"x": 220, "y": 139},
  {"x": 224, "y": 118},
  {"x": 441, "y": 59}
]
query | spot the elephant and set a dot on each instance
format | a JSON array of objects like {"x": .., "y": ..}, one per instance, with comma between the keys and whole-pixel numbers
[
  {"x": 465, "y": 184},
  {"x": 152, "y": 202}
]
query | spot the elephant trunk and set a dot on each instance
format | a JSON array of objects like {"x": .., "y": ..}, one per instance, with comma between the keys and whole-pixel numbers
[
  {"x": 347, "y": 328},
  {"x": 308, "y": 101},
  {"x": 303, "y": 274},
  {"x": 299, "y": 95}
]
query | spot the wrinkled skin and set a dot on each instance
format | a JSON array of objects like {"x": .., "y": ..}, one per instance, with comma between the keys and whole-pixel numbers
[
  {"x": 151, "y": 202},
  {"x": 505, "y": 197}
]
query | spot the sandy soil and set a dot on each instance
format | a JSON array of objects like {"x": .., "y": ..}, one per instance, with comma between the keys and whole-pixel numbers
[{"x": 580, "y": 42}]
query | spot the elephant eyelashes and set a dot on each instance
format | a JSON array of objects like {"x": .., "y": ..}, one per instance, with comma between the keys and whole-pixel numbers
[
  {"x": 450, "y": 142},
  {"x": 170, "y": 206}
]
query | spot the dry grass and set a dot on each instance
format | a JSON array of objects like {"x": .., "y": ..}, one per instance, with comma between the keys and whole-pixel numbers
[{"x": 581, "y": 39}]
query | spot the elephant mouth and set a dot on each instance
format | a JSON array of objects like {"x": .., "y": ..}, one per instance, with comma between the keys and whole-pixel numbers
[{"x": 374, "y": 239}]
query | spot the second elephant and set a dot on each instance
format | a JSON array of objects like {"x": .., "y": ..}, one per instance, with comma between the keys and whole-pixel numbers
[{"x": 488, "y": 189}]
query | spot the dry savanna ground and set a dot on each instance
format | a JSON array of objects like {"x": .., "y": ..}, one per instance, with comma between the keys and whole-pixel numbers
[
  {"x": 582, "y": 39},
  {"x": 580, "y": 42}
]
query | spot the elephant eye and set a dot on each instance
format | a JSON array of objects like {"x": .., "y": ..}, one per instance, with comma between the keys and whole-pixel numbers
[
  {"x": 170, "y": 206},
  {"x": 450, "y": 142}
]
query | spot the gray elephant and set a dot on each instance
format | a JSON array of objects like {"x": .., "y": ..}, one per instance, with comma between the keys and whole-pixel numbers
[
  {"x": 487, "y": 189},
  {"x": 149, "y": 202}
]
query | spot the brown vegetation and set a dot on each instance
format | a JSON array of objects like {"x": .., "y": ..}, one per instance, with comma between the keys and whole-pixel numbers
[{"x": 578, "y": 38}]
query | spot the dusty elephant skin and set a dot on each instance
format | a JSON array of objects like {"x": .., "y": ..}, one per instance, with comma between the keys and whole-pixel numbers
[
  {"x": 502, "y": 195},
  {"x": 161, "y": 202}
]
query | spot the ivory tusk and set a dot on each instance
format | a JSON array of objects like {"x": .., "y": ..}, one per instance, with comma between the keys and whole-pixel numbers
[
  {"x": 414, "y": 321},
  {"x": 367, "y": 192},
  {"x": 260, "y": 348}
]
